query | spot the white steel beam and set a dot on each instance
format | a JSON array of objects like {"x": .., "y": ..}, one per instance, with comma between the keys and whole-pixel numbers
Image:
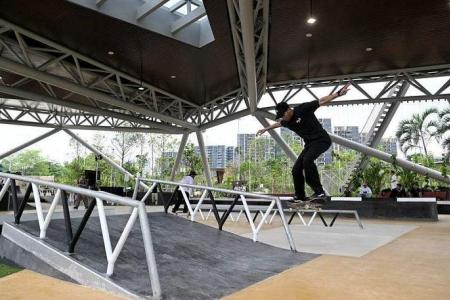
[
  {"x": 188, "y": 19},
  {"x": 99, "y": 3},
  {"x": 248, "y": 39},
  {"x": 179, "y": 156},
  {"x": 29, "y": 143},
  {"x": 149, "y": 7},
  {"x": 201, "y": 145}
]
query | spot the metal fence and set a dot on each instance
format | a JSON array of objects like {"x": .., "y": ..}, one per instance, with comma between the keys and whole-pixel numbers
[
  {"x": 245, "y": 198},
  {"x": 138, "y": 208}
]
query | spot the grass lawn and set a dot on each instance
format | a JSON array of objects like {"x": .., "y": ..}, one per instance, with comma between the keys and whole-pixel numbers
[{"x": 5, "y": 270}]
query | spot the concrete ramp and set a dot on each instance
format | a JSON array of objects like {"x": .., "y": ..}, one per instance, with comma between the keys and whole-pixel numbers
[{"x": 194, "y": 261}]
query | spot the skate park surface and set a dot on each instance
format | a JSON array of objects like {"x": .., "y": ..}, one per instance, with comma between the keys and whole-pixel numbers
[{"x": 386, "y": 259}]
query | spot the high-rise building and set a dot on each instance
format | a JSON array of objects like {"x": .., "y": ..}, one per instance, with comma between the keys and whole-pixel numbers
[
  {"x": 347, "y": 132},
  {"x": 216, "y": 156},
  {"x": 244, "y": 141},
  {"x": 230, "y": 155},
  {"x": 169, "y": 154},
  {"x": 389, "y": 145}
]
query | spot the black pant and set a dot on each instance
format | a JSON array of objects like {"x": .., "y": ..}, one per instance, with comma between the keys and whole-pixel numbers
[
  {"x": 180, "y": 200},
  {"x": 305, "y": 163}
]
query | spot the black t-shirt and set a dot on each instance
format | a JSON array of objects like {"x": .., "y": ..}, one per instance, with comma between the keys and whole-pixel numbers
[{"x": 305, "y": 124}]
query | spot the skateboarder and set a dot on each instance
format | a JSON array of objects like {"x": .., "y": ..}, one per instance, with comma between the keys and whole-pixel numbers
[{"x": 302, "y": 120}]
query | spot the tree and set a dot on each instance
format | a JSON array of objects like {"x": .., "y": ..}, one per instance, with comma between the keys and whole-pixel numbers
[
  {"x": 123, "y": 142},
  {"x": 443, "y": 129},
  {"x": 191, "y": 159},
  {"x": 421, "y": 128},
  {"x": 28, "y": 162}
]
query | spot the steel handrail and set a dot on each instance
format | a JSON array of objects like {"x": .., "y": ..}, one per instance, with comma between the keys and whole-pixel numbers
[
  {"x": 112, "y": 253},
  {"x": 74, "y": 189}
]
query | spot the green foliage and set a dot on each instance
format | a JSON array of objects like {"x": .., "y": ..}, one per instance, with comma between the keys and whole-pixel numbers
[
  {"x": 6, "y": 270},
  {"x": 375, "y": 174}
]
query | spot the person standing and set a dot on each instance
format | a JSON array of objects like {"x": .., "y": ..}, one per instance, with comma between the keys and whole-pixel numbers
[
  {"x": 189, "y": 179},
  {"x": 82, "y": 183},
  {"x": 302, "y": 120}
]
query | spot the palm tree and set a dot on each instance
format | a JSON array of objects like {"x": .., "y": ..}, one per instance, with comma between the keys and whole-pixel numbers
[
  {"x": 443, "y": 128},
  {"x": 421, "y": 128}
]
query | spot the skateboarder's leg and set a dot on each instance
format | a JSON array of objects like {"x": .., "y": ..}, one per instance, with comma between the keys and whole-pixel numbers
[
  {"x": 312, "y": 178},
  {"x": 298, "y": 178}
]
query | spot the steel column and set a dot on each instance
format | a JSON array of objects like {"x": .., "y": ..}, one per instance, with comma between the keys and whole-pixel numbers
[
  {"x": 29, "y": 143},
  {"x": 248, "y": 39},
  {"x": 179, "y": 155},
  {"x": 201, "y": 144}
]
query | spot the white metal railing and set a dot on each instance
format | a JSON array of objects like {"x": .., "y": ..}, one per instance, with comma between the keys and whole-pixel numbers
[
  {"x": 138, "y": 208},
  {"x": 271, "y": 202}
]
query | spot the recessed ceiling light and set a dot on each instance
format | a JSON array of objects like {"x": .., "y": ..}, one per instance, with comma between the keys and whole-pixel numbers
[
  {"x": 141, "y": 88},
  {"x": 308, "y": 85},
  {"x": 1, "y": 77},
  {"x": 110, "y": 52},
  {"x": 368, "y": 49},
  {"x": 308, "y": 35},
  {"x": 311, "y": 20},
  {"x": 173, "y": 76}
]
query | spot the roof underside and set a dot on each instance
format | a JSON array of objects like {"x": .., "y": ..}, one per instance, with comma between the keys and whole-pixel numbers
[{"x": 403, "y": 34}]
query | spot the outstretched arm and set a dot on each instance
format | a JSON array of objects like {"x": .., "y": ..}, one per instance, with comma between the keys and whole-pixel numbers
[
  {"x": 327, "y": 99},
  {"x": 273, "y": 126}
]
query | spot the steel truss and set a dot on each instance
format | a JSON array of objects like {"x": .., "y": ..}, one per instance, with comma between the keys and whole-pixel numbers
[
  {"x": 250, "y": 28},
  {"x": 29, "y": 114},
  {"x": 105, "y": 90},
  {"x": 65, "y": 74}
]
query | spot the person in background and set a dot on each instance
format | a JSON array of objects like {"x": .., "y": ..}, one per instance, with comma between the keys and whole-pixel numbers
[
  {"x": 399, "y": 191},
  {"x": 82, "y": 183},
  {"x": 188, "y": 179},
  {"x": 394, "y": 180},
  {"x": 365, "y": 191}
]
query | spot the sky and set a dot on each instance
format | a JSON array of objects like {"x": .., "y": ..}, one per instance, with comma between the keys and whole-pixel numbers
[{"x": 57, "y": 147}]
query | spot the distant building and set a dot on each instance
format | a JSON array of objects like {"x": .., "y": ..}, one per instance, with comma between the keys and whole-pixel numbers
[
  {"x": 389, "y": 145},
  {"x": 230, "y": 155},
  {"x": 169, "y": 154},
  {"x": 244, "y": 140},
  {"x": 347, "y": 132}
]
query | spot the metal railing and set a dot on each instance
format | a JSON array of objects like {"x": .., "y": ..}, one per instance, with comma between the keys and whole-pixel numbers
[
  {"x": 207, "y": 191},
  {"x": 138, "y": 208}
]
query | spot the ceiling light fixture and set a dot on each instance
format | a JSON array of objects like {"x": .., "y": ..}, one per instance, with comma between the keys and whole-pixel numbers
[
  {"x": 368, "y": 49},
  {"x": 308, "y": 35},
  {"x": 110, "y": 52},
  {"x": 141, "y": 88},
  {"x": 311, "y": 20},
  {"x": 173, "y": 76}
]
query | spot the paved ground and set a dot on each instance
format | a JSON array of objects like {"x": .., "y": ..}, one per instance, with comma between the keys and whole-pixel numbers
[
  {"x": 413, "y": 265},
  {"x": 30, "y": 285}
]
